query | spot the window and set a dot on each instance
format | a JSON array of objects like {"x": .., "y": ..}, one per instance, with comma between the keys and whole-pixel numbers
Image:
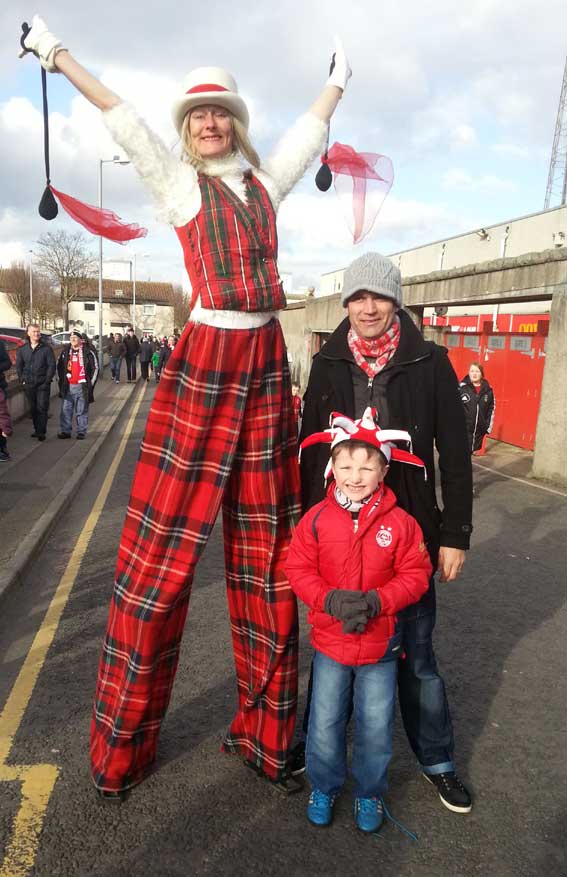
[
  {"x": 520, "y": 343},
  {"x": 471, "y": 341},
  {"x": 452, "y": 340},
  {"x": 89, "y": 306},
  {"x": 149, "y": 310},
  {"x": 118, "y": 293},
  {"x": 496, "y": 342}
]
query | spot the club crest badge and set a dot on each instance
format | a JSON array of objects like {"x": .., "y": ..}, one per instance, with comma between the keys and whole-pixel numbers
[{"x": 384, "y": 537}]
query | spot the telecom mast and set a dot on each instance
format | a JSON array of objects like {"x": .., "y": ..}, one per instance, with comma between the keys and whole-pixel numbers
[{"x": 557, "y": 179}]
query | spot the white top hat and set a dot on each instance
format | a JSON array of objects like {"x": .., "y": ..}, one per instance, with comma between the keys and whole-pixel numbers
[{"x": 209, "y": 85}]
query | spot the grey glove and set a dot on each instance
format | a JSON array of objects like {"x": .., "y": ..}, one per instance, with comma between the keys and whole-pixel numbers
[
  {"x": 373, "y": 603},
  {"x": 343, "y": 604},
  {"x": 356, "y": 624}
]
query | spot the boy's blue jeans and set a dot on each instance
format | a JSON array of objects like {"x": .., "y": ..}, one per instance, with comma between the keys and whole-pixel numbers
[{"x": 373, "y": 689}]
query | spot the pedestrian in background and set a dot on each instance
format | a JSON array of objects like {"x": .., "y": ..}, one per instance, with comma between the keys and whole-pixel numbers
[
  {"x": 35, "y": 365},
  {"x": 155, "y": 363},
  {"x": 77, "y": 373},
  {"x": 477, "y": 397},
  {"x": 5, "y": 419},
  {"x": 146, "y": 353},
  {"x": 165, "y": 353},
  {"x": 117, "y": 352},
  {"x": 132, "y": 350}
]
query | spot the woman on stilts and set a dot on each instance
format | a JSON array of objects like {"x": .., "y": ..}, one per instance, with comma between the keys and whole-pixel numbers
[{"x": 220, "y": 431}]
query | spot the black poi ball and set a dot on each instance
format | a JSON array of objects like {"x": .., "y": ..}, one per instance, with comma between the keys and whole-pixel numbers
[
  {"x": 48, "y": 208},
  {"x": 324, "y": 178}
]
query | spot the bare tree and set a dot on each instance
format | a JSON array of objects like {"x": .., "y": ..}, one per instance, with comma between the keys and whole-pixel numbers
[
  {"x": 46, "y": 302},
  {"x": 181, "y": 303},
  {"x": 15, "y": 282},
  {"x": 66, "y": 261}
]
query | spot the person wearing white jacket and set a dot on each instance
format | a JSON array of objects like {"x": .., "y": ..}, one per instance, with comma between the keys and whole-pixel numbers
[{"x": 221, "y": 429}]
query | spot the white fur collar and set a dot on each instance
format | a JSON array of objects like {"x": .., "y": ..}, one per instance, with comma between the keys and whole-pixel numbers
[{"x": 229, "y": 166}]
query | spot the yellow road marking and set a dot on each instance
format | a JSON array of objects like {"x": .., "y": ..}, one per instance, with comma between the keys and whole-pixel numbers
[{"x": 39, "y": 780}]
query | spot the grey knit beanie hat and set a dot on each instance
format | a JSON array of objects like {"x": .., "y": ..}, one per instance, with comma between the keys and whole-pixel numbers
[{"x": 374, "y": 273}]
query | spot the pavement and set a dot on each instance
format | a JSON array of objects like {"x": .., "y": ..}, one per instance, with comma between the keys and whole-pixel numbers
[
  {"x": 41, "y": 477},
  {"x": 500, "y": 643}
]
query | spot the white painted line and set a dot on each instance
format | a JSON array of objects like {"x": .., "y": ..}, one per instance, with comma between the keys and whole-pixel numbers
[{"x": 521, "y": 480}]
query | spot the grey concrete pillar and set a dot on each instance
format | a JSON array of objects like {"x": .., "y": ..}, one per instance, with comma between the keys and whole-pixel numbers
[{"x": 550, "y": 453}]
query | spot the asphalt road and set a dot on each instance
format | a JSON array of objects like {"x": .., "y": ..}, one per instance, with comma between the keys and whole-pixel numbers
[{"x": 500, "y": 642}]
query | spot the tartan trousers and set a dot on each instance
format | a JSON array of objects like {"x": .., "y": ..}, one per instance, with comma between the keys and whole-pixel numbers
[{"x": 220, "y": 430}]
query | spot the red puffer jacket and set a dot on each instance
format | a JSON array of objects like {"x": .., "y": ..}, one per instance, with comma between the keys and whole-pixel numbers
[{"x": 387, "y": 553}]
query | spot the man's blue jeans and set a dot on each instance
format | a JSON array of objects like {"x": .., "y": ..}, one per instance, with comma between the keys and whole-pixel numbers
[
  {"x": 74, "y": 402},
  {"x": 373, "y": 689},
  {"x": 115, "y": 363},
  {"x": 421, "y": 692}
]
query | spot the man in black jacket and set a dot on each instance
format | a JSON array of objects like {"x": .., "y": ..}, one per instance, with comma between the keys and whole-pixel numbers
[
  {"x": 377, "y": 357},
  {"x": 35, "y": 365},
  {"x": 132, "y": 349}
]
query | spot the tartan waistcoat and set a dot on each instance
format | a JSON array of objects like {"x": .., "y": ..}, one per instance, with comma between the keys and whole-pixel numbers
[{"x": 231, "y": 248}]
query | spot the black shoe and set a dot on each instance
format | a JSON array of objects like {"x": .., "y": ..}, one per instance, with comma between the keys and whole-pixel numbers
[
  {"x": 112, "y": 797},
  {"x": 285, "y": 785},
  {"x": 4, "y": 457},
  {"x": 296, "y": 759},
  {"x": 63, "y": 435},
  {"x": 81, "y": 435},
  {"x": 41, "y": 438},
  {"x": 33, "y": 435},
  {"x": 452, "y": 792}
]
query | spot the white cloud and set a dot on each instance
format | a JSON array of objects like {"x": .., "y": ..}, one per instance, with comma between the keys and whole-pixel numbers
[{"x": 460, "y": 180}]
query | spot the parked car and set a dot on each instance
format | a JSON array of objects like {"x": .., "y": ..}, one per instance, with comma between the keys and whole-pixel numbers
[
  {"x": 16, "y": 337},
  {"x": 60, "y": 338}
]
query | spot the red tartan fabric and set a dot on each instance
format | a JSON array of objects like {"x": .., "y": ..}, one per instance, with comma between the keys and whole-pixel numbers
[
  {"x": 231, "y": 249},
  {"x": 220, "y": 428}
]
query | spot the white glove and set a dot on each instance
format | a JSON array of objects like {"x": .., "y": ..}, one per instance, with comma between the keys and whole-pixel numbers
[
  {"x": 42, "y": 43},
  {"x": 341, "y": 72}
]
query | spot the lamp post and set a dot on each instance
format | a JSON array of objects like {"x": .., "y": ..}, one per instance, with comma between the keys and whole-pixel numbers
[
  {"x": 114, "y": 160},
  {"x": 31, "y": 286}
]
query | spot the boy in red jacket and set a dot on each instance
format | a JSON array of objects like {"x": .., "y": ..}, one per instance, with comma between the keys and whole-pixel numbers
[{"x": 356, "y": 559}]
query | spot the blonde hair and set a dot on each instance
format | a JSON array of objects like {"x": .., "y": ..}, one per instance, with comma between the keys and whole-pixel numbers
[{"x": 240, "y": 142}]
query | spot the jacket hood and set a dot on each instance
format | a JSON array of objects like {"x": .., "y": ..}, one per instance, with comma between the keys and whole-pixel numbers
[{"x": 412, "y": 344}]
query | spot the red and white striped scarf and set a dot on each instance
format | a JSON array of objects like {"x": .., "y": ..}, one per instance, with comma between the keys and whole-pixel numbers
[{"x": 381, "y": 349}]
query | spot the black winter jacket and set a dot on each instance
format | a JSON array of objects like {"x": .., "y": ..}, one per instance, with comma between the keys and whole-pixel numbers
[
  {"x": 417, "y": 391},
  {"x": 35, "y": 366},
  {"x": 132, "y": 345},
  {"x": 164, "y": 354},
  {"x": 479, "y": 410},
  {"x": 91, "y": 371}
]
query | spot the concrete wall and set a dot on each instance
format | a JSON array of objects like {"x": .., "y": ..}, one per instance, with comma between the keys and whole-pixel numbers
[
  {"x": 550, "y": 455},
  {"x": 300, "y": 322}
]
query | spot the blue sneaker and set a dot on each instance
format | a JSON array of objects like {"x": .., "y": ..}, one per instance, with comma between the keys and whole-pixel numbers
[
  {"x": 368, "y": 813},
  {"x": 320, "y": 808}
]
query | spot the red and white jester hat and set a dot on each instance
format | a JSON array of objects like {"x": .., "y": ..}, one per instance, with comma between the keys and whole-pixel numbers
[{"x": 365, "y": 429}]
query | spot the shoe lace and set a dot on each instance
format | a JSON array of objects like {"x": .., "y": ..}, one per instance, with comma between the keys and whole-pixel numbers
[
  {"x": 370, "y": 805},
  {"x": 452, "y": 781},
  {"x": 320, "y": 799},
  {"x": 395, "y": 823}
]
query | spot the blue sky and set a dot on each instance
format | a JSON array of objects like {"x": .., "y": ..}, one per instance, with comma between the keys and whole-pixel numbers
[{"x": 462, "y": 100}]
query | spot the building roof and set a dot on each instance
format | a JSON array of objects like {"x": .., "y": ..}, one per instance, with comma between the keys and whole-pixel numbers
[{"x": 121, "y": 291}]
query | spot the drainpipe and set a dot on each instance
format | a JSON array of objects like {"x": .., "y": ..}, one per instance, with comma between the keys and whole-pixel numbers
[{"x": 504, "y": 241}]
